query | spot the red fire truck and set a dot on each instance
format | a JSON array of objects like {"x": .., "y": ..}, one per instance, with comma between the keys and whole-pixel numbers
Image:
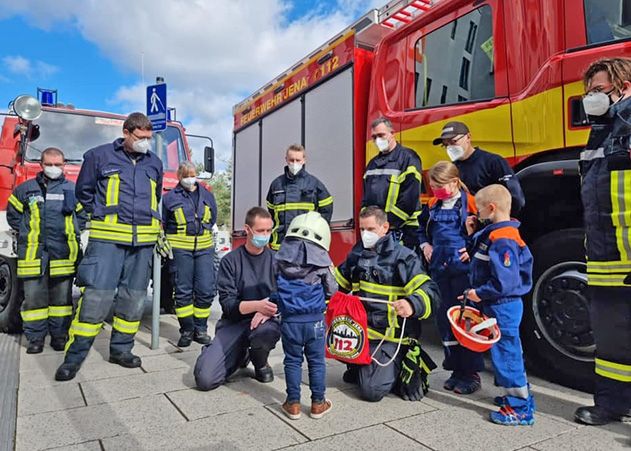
[
  {"x": 24, "y": 135},
  {"x": 510, "y": 69}
]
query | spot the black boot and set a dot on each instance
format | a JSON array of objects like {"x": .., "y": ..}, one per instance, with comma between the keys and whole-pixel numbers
[
  {"x": 201, "y": 337},
  {"x": 596, "y": 416},
  {"x": 58, "y": 343},
  {"x": 186, "y": 338},
  {"x": 127, "y": 360},
  {"x": 264, "y": 374},
  {"x": 66, "y": 372},
  {"x": 35, "y": 347}
]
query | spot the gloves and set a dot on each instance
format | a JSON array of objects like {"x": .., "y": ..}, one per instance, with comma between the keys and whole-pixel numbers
[
  {"x": 163, "y": 247},
  {"x": 415, "y": 370}
]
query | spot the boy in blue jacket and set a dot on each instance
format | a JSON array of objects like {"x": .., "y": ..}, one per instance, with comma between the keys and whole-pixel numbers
[
  {"x": 304, "y": 282},
  {"x": 501, "y": 273}
]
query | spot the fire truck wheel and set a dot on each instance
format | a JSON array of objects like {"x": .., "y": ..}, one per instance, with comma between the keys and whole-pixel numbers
[
  {"x": 556, "y": 328},
  {"x": 10, "y": 297}
]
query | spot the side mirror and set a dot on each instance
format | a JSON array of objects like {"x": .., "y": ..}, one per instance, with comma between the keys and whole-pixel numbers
[{"x": 209, "y": 159}]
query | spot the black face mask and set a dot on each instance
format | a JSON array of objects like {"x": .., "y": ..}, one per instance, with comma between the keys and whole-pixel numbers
[{"x": 483, "y": 222}]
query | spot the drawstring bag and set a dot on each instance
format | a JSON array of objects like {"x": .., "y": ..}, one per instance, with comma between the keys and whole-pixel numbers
[{"x": 347, "y": 330}]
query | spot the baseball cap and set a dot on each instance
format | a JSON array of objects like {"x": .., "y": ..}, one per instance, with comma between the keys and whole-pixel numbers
[{"x": 451, "y": 130}]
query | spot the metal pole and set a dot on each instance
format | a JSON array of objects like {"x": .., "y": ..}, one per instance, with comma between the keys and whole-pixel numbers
[{"x": 157, "y": 277}]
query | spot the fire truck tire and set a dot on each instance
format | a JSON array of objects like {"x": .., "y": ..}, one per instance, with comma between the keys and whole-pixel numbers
[
  {"x": 556, "y": 332},
  {"x": 10, "y": 297},
  {"x": 166, "y": 291}
]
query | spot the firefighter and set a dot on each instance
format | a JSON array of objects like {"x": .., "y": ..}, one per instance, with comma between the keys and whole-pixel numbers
[
  {"x": 119, "y": 185},
  {"x": 189, "y": 212},
  {"x": 606, "y": 193},
  {"x": 479, "y": 168},
  {"x": 47, "y": 219},
  {"x": 380, "y": 268},
  {"x": 392, "y": 181},
  {"x": 295, "y": 192}
]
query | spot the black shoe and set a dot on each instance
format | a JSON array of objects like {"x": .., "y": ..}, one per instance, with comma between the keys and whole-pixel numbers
[
  {"x": 66, "y": 372},
  {"x": 351, "y": 376},
  {"x": 58, "y": 343},
  {"x": 128, "y": 360},
  {"x": 264, "y": 375},
  {"x": 35, "y": 347},
  {"x": 202, "y": 337},
  {"x": 596, "y": 416},
  {"x": 186, "y": 338}
]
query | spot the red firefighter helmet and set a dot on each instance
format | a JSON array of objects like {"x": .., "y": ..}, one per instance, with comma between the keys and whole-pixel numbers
[{"x": 472, "y": 329}]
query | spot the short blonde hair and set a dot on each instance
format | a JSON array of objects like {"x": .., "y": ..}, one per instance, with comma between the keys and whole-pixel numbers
[
  {"x": 496, "y": 194},
  {"x": 184, "y": 168},
  {"x": 295, "y": 148},
  {"x": 444, "y": 172}
]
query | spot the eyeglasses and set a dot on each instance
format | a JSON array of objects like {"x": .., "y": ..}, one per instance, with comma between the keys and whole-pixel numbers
[
  {"x": 453, "y": 141},
  {"x": 138, "y": 138}
]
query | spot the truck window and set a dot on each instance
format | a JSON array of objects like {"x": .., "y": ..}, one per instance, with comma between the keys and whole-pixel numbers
[
  {"x": 455, "y": 62},
  {"x": 607, "y": 20}
]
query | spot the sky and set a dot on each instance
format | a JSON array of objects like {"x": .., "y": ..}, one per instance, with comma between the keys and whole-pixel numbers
[{"x": 100, "y": 54}]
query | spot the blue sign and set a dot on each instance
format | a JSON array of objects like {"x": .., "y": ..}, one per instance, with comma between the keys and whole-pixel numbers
[{"x": 157, "y": 106}]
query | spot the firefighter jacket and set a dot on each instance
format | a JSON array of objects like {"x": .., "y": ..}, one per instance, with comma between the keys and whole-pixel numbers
[
  {"x": 188, "y": 219},
  {"x": 292, "y": 195},
  {"x": 501, "y": 263},
  {"x": 120, "y": 191},
  {"x": 392, "y": 181},
  {"x": 390, "y": 272},
  {"x": 48, "y": 219}
]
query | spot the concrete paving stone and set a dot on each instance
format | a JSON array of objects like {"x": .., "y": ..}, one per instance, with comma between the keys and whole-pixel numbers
[
  {"x": 253, "y": 429},
  {"x": 141, "y": 348},
  {"x": 365, "y": 438},
  {"x": 611, "y": 437},
  {"x": 350, "y": 413},
  {"x": 83, "y": 424},
  {"x": 170, "y": 361},
  {"x": 48, "y": 399},
  {"x": 334, "y": 381},
  {"x": 87, "y": 446},
  {"x": 466, "y": 425},
  {"x": 137, "y": 385}
]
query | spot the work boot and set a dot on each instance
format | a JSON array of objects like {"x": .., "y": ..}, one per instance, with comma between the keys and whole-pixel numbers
[
  {"x": 264, "y": 374},
  {"x": 351, "y": 376},
  {"x": 186, "y": 338},
  {"x": 127, "y": 360},
  {"x": 35, "y": 347},
  {"x": 598, "y": 416},
  {"x": 201, "y": 337},
  {"x": 58, "y": 343},
  {"x": 291, "y": 410},
  {"x": 66, "y": 372},
  {"x": 319, "y": 409},
  {"x": 246, "y": 359}
]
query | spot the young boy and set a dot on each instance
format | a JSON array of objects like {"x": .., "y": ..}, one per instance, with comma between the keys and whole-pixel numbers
[
  {"x": 304, "y": 280},
  {"x": 501, "y": 273}
]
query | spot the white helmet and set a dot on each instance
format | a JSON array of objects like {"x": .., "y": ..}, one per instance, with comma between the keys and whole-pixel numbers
[{"x": 311, "y": 226}]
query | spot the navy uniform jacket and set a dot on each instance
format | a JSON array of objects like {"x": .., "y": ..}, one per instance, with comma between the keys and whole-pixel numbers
[
  {"x": 121, "y": 192},
  {"x": 392, "y": 181},
  {"x": 47, "y": 217},
  {"x": 292, "y": 195},
  {"x": 188, "y": 225},
  {"x": 390, "y": 272}
]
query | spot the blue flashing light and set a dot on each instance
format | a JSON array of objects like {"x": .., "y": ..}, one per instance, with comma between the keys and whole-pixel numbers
[{"x": 47, "y": 97}]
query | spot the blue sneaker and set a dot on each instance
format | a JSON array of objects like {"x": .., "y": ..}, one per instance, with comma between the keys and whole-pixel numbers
[
  {"x": 507, "y": 416},
  {"x": 500, "y": 401}
]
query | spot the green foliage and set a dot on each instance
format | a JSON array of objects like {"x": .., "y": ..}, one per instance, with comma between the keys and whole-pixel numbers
[{"x": 221, "y": 183}]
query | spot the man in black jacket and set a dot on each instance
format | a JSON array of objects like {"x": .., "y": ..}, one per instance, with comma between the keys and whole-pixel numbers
[{"x": 248, "y": 326}]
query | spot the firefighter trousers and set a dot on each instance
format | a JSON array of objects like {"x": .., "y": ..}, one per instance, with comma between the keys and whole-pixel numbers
[
  {"x": 376, "y": 381},
  {"x": 110, "y": 273},
  {"x": 610, "y": 310},
  {"x": 193, "y": 274},
  {"x": 47, "y": 306}
]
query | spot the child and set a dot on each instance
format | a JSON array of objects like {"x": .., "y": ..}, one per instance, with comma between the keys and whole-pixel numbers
[
  {"x": 501, "y": 273},
  {"x": 304, "y": 281},
  {"x": 443, "y": 239}
]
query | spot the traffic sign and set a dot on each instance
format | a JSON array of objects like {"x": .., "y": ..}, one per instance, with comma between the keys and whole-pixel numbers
[{"x": 157, "y": 106}]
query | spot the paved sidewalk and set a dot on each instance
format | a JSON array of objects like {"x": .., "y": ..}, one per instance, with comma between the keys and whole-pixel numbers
[{"x": 108, "y": 407}]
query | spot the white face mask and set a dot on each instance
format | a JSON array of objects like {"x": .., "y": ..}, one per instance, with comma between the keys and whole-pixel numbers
[
  {"x": 295, "y": 168},
  {"x": 382, "y": 144},
  {"x": 455, "y": 152},
  {"x": 596, "y": 103},
  {"x": 188, "y": 182},
  {"x": 141, "y": 145},
  {"x": 369, "y": 239},
  {"x": 53, "y": 172}
]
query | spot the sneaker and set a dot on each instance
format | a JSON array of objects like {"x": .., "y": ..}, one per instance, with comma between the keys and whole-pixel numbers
[
  {"x": 319, "y": 409},
  {"x": 451, "y": 383},
  {"x": 500, "y": 401},
  {"x": 468, "y": 384},
  {"x": 291, "y": 410},
  {"x": 507, "y": 416}
]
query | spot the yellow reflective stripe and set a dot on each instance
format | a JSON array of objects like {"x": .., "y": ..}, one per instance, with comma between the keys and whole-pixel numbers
[
  {"x": 341, "y": 280},
  {"x": 34, "y": 315},
  {"x": 190, "y": 242},
  {"x": 416, "y": 282},
  {"x": 73, "y": 246},
  {"x": 201, "y": 312},
  {"x": 79, "y": 328},
  {"x": 613, "y": 370},
  {"x": 609, "y": 267},
  {"x": 393, "y": 322},
  {"x": 78, "y": 208},
  {"x": 326, "y": 201},
  {"x": 606, "y": 280},
  {"x": 207, "y": 214},
  {"x": 179, "y": 216},
  {"x": 59, "y": 310},
  {"x": 29, "y": 268},
  {"x": 154, "y": 197},
  {"x": 620, "y": 192},
  {"x": 113, "y": 186},
  {"x": 393, "y": 194},
  {"x": 107, "y": 226},
  {"x": 270, "y": 205},
  {"x": 184, "y": 312},
  {"x": 374, "y": 335},
  {"x": 33, "y": 234},
  {"x": 126, "y": 327},
  {"x": 19, "y": 206},
  {"x": 62, "y": 267},
  {"x": 384, "y": 290},
  {"x": 426, "y": 301},
  {"x": 295, "y": 206},
  {"x": 408, "y": 171}
]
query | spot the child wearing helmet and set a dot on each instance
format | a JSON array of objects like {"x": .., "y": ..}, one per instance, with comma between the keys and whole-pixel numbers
[
  {"x": 501, "y": 273},
  {"x": 304, "y": 281},
  {"x": 443, "y": 240}
]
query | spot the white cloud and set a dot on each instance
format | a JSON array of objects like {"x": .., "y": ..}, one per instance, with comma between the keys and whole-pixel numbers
[{"x": 19, "y": 65}]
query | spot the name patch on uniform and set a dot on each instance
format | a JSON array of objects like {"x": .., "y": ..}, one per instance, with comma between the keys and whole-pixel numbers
[
  {"x": 507, "y": 261},
  {"x": 50, "y": 196},
  {"x": 35, "y": 199}
]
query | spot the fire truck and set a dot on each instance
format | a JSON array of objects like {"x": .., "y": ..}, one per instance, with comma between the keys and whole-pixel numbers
[
  {"x": 511, "y": 70},
  {"x": 34, "y": 124}
]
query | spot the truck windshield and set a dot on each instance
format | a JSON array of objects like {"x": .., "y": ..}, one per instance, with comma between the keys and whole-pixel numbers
[
  {"x": 76, "y": 133},
  {"x": 607, "y": 20}
]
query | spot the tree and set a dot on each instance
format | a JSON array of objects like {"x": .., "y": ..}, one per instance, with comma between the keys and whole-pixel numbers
[{"x": 221, "y": 185}]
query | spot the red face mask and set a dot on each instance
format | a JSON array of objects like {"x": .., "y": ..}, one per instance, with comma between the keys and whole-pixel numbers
[{"x": 441, "y": 193}]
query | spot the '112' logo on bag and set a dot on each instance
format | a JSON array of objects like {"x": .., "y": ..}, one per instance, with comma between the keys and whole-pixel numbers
[{"x": 345, "y": 337}]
